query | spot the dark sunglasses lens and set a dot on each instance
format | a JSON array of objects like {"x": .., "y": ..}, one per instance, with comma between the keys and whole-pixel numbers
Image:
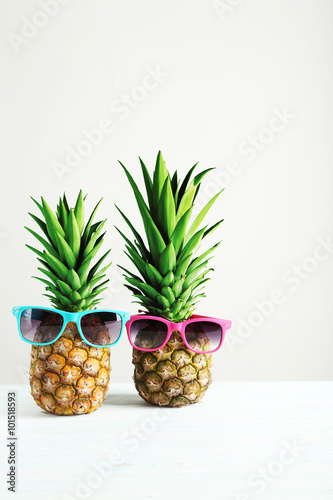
[
  {"x": 148, "y": 333},
  {"x": 203, "y": 335},
  {"x": 40, "y": 325},
  {"x": 101, "y": 328}
]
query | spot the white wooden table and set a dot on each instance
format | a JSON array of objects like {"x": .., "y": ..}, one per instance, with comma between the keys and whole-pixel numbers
[{"x": 244, "y": 441}]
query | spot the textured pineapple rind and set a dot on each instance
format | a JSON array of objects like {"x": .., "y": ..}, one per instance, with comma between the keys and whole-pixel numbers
[
  {"x": 69, "y": 377},
  {"x": 173, "y": 376}
]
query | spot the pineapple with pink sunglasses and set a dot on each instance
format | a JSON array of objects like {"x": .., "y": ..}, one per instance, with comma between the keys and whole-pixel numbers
[{"x": 172, "y": 346}]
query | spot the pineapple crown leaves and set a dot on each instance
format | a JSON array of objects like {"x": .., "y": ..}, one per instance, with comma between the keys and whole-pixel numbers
[
  {"x": 171, "y": 272},
  {"x": 69, "y": 247}
]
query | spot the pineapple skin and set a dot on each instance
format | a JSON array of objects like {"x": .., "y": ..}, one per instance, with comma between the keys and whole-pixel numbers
[
  {"x": 172, "y": 376},
  {"x": 69, "y": 377}
]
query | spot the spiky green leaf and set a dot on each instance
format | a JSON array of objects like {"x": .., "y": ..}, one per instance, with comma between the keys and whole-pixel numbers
[
  {"x": 148, "y": 183},
  {"x": 179, "y": 232},
  {"x": 197, "y": 221},
  {"x": 193, "y": 244},
  {"x": 65, "y": 251},
  {"x": 38, "y": 205},
  {"x": 85, "y": 236},
  {"x": 144, "y": 251},
  {"x": 193, "y": 274},
  {"x": 49, "y": 248},
  {"x": 185, "y": 295},
  {"x": 73, "y": 279},
  {"x": 75, "y": 296},
  {"x": 168, "y": 293},
  {"x": 49, "y": 274},
  {"x": 63, "y": 215},
  {"x": 167, "y": 259},
  {"x": 160, "y": 174},
  {"x": 202, "y": 257},
  {"x": 93, "y": 240},
  {"x": 177, "y": 287},
  {"x": 154, "y": 276},
  {"x": 182, "y": 266},
  {"x": 212, "y": 228},
  {"x": 166, "y": 211},
  {"x": 85, "y": 290},
  {"x": 146, "y": 301},
  {"x": 155, "y": 239},
  {"x": 46, "y": 282},
  {"x": 139, "y": 263},
  {"x": 94, "y": 269},
  {"x": 64, "y": 288},
  {"x": 40, "y": 254},
  {"x": 99, "y": 288},
  {"x": 168, "y": 279},
  {"x": 79, "y": 212},
  {"x": 64, "y": 199},
  {"x": 176, "y": 306},
  {"x": 72, "y": 235},
  {"x": 52, "y": 222},
  {"x": 174, "y": 185},
  {"x": 42, "y": 226},
  {"x": 163, "y": 301},
  {"x": 56, "y": 265},
  {"x": 187, "y": 198},
  {"x": 144, "y": 287},
  {"x": 185, "y": 182}
]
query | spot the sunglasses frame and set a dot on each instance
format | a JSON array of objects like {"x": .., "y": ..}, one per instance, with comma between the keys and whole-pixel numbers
[
  {"x": 70, "y": 316},
  {"x": 225, "y": 324}
]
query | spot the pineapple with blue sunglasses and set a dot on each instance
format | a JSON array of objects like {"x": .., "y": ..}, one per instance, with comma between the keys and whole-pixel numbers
[{"x": 70, "y": 353}]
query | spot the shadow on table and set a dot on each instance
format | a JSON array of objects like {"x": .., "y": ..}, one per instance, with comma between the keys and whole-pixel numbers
[
  {"x": 111, "y": 399},
  {"x": 124, "y": 400}
]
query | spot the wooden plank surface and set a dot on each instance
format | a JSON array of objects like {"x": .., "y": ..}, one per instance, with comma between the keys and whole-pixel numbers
[{"x": 244, "y": 441}]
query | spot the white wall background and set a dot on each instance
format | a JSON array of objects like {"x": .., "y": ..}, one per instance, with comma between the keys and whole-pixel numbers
[{"x": 227, "y": 67}]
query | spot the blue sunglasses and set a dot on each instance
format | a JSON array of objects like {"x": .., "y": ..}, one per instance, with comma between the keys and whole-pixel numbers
[{"x": 44, "y": 325}]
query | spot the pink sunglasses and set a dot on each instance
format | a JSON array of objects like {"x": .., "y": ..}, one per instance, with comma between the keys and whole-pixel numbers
[{"x": 200, "y": 334}]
